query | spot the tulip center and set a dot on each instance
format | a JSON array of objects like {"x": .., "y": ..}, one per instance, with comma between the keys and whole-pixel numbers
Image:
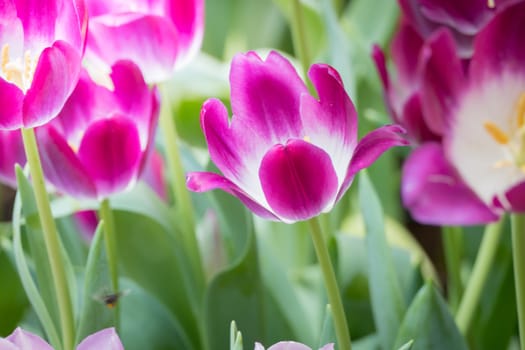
[
  {"x": 512, "y": 141},
  {"x": 17, "y": 70}
]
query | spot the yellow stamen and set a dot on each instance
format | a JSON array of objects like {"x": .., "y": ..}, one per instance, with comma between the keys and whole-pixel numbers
[
  {"x": 491, "y": 4},
  {"x": 496, "y": 133},
  {"x": 521, "y": 111},
  {"x": 28, "y": 68},
  {"x": 502, "y": 164},
  {"x": 5, "y": 56}
]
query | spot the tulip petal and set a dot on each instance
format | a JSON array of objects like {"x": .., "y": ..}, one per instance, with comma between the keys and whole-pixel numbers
[
  {"x": 11, "y": 153},
  {"x": 406, "y": 47},
  {"x": 38, "y": 18},
  {"x": 188, "y": 18},
  {"x": 265, "y": 96},
  {"x": 331, "y": 122},
  {"x": 54, "y": 79},
  {"x": 499, "y": 46},
  {"x": 205, "y": 181},
  {"x": 7, "y": 345},
  {"x": 513, "y": 200},
  {"x": 149, "y": 41},
  {"x": 26, "y": 340},
  {"x": 414, "y": 121},
  {"x": 106, "y": 339},
  {"x": 435, "y": 194},
  {"x": 298, "y": 180},
  {"x": 12, "y": 101},
  {"x": 371, "y": 147},
  {"x": 61, "y": 166},
  {"x": 110, "y": 152},
  {"x": 288, "y": 345}
]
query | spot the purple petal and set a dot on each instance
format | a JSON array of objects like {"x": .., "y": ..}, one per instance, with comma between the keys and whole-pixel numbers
[
  {"x": 71, "y": 24},
  {"x": 499, "y": 46},
  {"x": 434, "y": 194},
  {"x": 26, "y": 340},
  {"x": 106, "y": 339},
  {"x": 134, "y": 97},
  {"x": 149, "y": 41},
  {"x": 61, "y": 166},
  {"x": 55, "y": 77},
  {"x": 11, "y": 153},
  {"x": 415, "y": 123},
  {"x": 38, "y": 18},
  {"x": 11, "y": 100},
  {"x": 298, "y": 180},
  {"x": 371, "y": 147},
  {"x": 7, "y": 345},
  {"x": 442, "y": 81},
  {"x": 265, "y": 96},
  {"x": 188, "y": 18},
  {"x": 513, "y": 200},
  {"x": 406, "y": 47},
  {"x": 111, "y": 154},
  {"x": 288, "y": 345},
  {"x": 204, "y": 181}
]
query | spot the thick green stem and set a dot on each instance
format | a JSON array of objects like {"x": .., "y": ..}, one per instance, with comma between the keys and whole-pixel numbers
[
  {"x": 110, "y": 239},
  {"x": 452, "y": 243},
  {"x": 332, "y": 289},
  {"x": 178, "y": 185},
  {"x": 478, "y": 278},
  {"x": 52, "y": 240},
  {"x": 299, "y": 36},
  {"x": 518, "y": 253}
]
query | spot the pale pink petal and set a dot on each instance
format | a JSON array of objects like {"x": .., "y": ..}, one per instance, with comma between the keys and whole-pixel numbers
[
  {"x": 25, "y": 340},
  {"x": 106, "y": 339}
]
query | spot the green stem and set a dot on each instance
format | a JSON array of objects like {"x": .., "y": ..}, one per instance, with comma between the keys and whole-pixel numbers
[
  {"x": 478, "y": 277},
  {"x": 52, "y": 240},
  {"x": 332, "y": 289},
  {"x": 110, "y": 239},
  {"x": 518, "y": 253},
  {"x": 178, "y": 185},
  {"x": 452, "y": 243},
  {"x": 299, "y": 36}
]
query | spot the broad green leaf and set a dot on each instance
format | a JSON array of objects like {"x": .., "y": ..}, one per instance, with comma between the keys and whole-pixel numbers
[
  {"x": 13, "y": 301},
  {"x": 388, "y": 304},
  {"x": 39, "y": 304},
  {"x": 152, "y": 257},
  {"x": 146, "y": 323},
  {"x": 95, "y": 315},
  {"x": 429, "y": 324}
]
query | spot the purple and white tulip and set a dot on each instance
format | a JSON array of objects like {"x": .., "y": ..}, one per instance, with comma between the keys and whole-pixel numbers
[{"x": 291, "y": 345}]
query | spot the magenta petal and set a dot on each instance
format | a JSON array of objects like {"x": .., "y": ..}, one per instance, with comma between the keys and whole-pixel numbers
[
  {"x": 298, "y": 180},
  {"x": 111, "y": 154},
  {"x": 371, "y": 147},
  {"x": 38, "y": 18},
  {"x": 106, "y": 339},
  {"x": 499, "y": 46},
  {"x": 514, "y": 199},
  {"x": 55, "y": 77},
  {"x": 414, "y": 121},
  {"x": 204, "y": 181},
  {"x": 406, "y": 47},
  {"x": 443, "y": 79},
  {"x": 61, "y": 166},
  {"x": 11, "y": 153},
  {"x": 434, "y": 193},
  {"x": 149, "y": 41},
  {"x": 266, "y": 95},
  {"x": 188, "y": 18},
  {"x": 26, "y": 340},
  {"x": 11, "y": 100}
]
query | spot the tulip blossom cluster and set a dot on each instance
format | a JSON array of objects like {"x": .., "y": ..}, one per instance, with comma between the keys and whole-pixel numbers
[
  {"x": 285, "y": 154},
  {"x": 463, "y": 109}
]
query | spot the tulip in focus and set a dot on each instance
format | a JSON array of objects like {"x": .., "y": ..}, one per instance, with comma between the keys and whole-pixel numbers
[
  {"x": 106, "y": 339},
  {"x": 285, "y": 154},
  {"x": 41, "y": 43},
  {"x": 157, "y": 35},
  {"x": 291, "y": 345},
  {"x": 95, "y": 149}
]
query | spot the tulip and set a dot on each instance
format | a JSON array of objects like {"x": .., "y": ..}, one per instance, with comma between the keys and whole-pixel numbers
[
  {"x": 106, "y": 339},
  {"x": 285, "y": 154},
  {"x": 95, "y": 149},
  {"x": 11, "y": 153},
  {"x": 157, "y": 35},
  {"x": 41, "y": 44},
  {"x": 291, "y": 345}
]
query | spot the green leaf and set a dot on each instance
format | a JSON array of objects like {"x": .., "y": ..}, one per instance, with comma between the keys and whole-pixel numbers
[
  {"x": 388, "y": 305},
  {"x": 407, "y": 346},
  {"x": 328, "y": 331},
  {"x": 95, "y": 314},
  {"x": 40, "y": 305},
  {"x": 151, "y": 256},
  {"x": 429, "y": 323},
  {"x": 235, "y": 337}
]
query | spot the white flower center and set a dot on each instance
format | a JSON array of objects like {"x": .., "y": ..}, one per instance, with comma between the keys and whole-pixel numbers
[
  {"x": 17, "y": 70},
  {"x": 513, "y": 140}
]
